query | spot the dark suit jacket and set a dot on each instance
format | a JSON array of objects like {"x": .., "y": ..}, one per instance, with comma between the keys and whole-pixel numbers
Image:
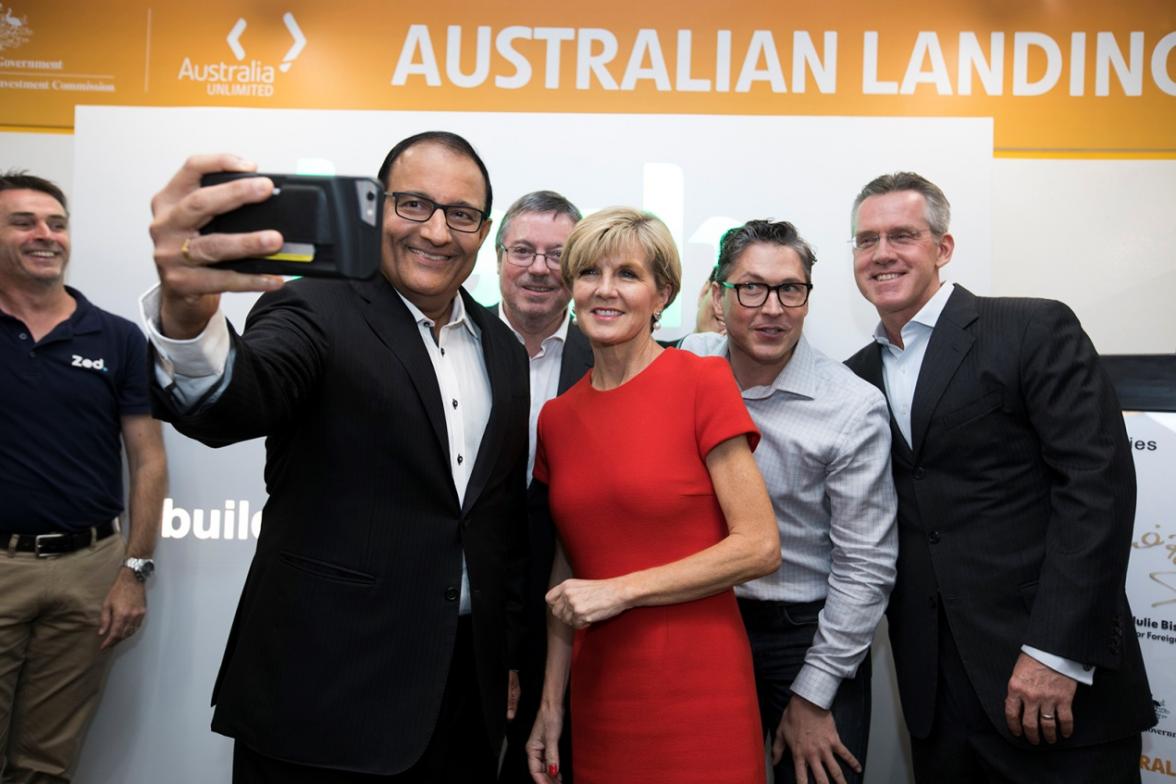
[
  {"x": 577, "y": 358},
  {"x": 340, "y": 649},
  {"x": 1016, "y": 510},
  {"x": 574, "y": 363}
]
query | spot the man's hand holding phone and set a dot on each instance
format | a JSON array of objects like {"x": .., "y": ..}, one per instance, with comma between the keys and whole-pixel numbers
[
  {"x": 220, "y": 227},
  {"x": 190, "y": 286}
]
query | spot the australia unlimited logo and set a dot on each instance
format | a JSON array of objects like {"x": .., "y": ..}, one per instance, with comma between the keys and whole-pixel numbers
[{"x": 241, "y": 78}]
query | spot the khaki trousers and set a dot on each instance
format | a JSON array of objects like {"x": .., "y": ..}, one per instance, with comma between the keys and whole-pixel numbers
[{"x": 51, "y": 672}]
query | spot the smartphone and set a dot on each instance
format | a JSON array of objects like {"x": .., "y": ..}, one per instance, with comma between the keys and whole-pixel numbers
[{"x": 331, "y": 225}]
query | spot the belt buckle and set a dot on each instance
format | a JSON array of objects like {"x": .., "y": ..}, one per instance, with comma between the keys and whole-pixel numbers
[{"x": 37, "y": 544}]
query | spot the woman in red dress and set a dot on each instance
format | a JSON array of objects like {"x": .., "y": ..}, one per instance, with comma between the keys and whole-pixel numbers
[{"x": 659, "y": 510}]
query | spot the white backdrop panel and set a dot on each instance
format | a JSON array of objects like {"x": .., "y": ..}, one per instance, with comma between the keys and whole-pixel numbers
[{"x": 701, "y": 174}]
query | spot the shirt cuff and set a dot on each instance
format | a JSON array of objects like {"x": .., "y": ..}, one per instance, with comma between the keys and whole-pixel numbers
[
  {"x": 1083, "y": 673},
  {"x": 816, "y": 686},
  {"x": 188, "y": 367}
]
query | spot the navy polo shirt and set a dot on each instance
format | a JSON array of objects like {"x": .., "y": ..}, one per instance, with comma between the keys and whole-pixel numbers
[{"x": 61, "y": 401}]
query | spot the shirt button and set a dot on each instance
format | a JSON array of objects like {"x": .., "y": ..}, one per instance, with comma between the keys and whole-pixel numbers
[
  {"x": 455, "y": 402},
  {"x": 451, "y": 594},
  {"x": 442, "y": 351},
  {"x": 933, "y": 537},
  {"x": 459, "y": 459},
  {"x": 23, "y": 336},
  {"x": 920, "y": 472}
]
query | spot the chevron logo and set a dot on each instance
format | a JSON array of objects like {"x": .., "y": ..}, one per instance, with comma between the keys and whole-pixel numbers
[
  {"x": 234, "y": 39},
  {"x": 299, "y": 40}
]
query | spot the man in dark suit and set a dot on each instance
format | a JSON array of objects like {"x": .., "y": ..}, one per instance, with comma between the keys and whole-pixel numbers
[
  {"x": 1016, "y": 488},
  {"x": 383, "y": 607},
  {"x": 534, "y": 305}
]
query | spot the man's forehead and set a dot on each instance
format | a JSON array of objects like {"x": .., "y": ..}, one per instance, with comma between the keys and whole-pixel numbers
[
  {"x": 768, "y": 258},
  {"x": 436, "y": 171},
  {"x": 555, "y": 221},
  {"x": 22, "y": 202},
  {"x": 893, "y": 203}
]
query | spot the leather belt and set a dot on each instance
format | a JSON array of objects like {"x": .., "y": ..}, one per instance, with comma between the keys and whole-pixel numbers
[{"x": 57, "y": 543}]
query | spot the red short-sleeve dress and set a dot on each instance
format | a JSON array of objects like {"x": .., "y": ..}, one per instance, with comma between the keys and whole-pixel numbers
[{"x": 659, "y": 694}]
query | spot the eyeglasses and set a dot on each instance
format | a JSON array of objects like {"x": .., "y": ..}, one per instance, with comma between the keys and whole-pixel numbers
[
  {"x": 414, "y": 207},
  {"x": 524, "y": 256},
  {"x": 899, "y": 238},
  {"x": 753, "y": 295}
]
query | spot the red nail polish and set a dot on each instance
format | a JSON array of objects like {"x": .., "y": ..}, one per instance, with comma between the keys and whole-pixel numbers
[{"x": 552, "y": 769}]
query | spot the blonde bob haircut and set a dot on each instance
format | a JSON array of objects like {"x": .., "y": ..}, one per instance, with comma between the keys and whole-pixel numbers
[{"x": 622, "y": 230}]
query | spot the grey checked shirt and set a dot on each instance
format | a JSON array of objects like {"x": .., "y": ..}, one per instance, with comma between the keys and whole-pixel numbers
[{"x": 825, "y": 457}]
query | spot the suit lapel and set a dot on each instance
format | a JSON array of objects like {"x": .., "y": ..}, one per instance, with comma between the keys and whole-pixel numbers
[
  {"x": 497, "y": 370},
  {"x": 394, "y": 325},
  {"x": 872, "y": 371},
  {"x": 576, "y": 360},
  {"x": 950, "y": 342}
]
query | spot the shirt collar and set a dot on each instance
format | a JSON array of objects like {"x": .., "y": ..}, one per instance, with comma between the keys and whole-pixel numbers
[
  {"x": 85, "y": 319},
  {"x": 457, "y": 316},
  {"x": 928, "y": 315},
  {"x": 797, "y": 378},
  {"x": 560, "y": 334}
]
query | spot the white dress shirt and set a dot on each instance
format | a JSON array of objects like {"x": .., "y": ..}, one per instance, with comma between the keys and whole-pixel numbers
[
  {"x": 196, "y": 368},
  {"x": 900, "y": 371},
  {"x": 825, "y": 456},
  {"x": 544, "y": 367}
]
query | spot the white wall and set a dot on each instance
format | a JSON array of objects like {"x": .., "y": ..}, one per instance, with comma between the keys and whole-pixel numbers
[
  {"x": 49, "y": 155},
  {"x": 1098, "y": 235}
]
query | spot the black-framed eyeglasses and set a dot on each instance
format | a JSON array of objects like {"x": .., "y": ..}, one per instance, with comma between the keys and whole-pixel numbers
[
  {"x": 791, "y": 294},
  {"x": 524, "y": 256},
  {"x": 414, "y": 207},
  {"x": 899, "y": 238}
]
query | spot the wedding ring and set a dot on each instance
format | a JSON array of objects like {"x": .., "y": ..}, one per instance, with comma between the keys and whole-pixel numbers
[
  {"x": 184, "y": 250},
  {"x": 1047, "y": 716}
]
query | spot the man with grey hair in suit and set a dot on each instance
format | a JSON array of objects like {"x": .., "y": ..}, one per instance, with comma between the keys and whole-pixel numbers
[
  {"x": 534, "y": 305},
  {"x": 1014, "y": 646}
]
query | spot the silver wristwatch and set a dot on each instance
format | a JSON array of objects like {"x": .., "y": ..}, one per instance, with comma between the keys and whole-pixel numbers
[{"x": 141, "y": 567}]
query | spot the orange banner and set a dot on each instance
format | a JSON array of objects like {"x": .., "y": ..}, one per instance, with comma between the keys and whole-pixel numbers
[{"x": 1059, "y": 79}]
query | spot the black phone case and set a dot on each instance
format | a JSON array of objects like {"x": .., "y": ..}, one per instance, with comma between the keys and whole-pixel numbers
[{"x": 331, "y": 226}]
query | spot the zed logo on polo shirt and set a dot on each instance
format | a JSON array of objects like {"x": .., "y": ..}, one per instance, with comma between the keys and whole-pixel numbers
[{"x": 93, "y": 364}]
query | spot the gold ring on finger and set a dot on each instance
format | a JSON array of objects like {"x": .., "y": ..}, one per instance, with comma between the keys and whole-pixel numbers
[{"x": 185, "y": 250}]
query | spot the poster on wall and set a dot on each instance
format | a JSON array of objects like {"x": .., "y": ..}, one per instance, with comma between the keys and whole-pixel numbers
[{"x": 1151, "y": 581}]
